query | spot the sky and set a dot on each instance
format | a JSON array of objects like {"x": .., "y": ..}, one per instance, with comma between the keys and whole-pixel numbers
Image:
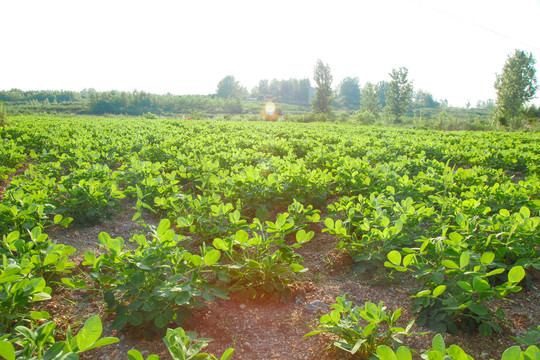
[{"x": 452, "y": 48}]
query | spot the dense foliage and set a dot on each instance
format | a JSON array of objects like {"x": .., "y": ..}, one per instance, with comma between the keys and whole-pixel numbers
[
  {"x": 515, "y": 86},
  {"x": 457, "y": 211}
]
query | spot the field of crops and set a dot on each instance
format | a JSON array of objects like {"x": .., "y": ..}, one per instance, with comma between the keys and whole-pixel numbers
[{"x": 256, "y": 214}]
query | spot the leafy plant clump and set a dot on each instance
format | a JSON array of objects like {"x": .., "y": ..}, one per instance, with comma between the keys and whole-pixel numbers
[
  {"x": 439, "y": 351},
  {"x": 39, "y": 343},
  {"x": 455, "y": 284},
  {"x": 183, "y": 345},
  {"x": 156, "y": 283},
  {"x": 344, "y": 321},
  {"x": 261, "y": 261}
]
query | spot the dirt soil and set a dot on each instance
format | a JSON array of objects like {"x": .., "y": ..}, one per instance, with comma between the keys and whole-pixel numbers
[{"x": 272, "y": 329}]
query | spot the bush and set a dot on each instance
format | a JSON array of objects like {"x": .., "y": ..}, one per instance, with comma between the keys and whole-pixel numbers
[
  {"x": 150, "y": 116},
  {"x": 366, "y": 117}
]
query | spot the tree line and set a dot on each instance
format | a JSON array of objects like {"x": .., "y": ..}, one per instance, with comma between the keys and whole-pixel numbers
[
  {"x": 134, "y": 103},
  {"x": 515, "y": 87},
  {"x": 392, "y": 99}
]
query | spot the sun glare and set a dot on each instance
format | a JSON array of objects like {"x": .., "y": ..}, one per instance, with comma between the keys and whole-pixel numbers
[{"x": 270, "y": 111}]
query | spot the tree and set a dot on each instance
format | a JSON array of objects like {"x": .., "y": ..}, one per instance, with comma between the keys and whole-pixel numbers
[
  {"x": 425, "y": 99},
  {"x": 399, "y": 94},
  {"x": 370, "y": 99},
  {"x": 515, "y": 86},
  {"x": 349, "y": 93},
  {"x": 323, "y": 93},
  {"x": 382, "y": 88},
  {"x": 229, "y": 87}
]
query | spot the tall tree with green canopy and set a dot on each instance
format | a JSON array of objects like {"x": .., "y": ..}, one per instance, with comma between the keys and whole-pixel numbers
[
  {"x": 399, "y": 94},
  {"x": 229, "y": 87},
  {"x": 322, "y": 103},
  {"x": 370, "y": 99},
  {"x": 349, "y": 93},
  {"x": 515, "y": 86}
]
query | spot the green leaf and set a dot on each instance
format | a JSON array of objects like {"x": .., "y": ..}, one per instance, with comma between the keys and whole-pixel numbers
[
  {"x": 394, "y": 257},
  {"x": 531, "y": 337},
  {"x": 196, "y": 260},
  {"x": 227, "y": 355},
  {"x": 314, "y": 332},
  {"x": 149, "y": 306},
  {"x": 480, "y": 285},
  {"x": 68, "y": 282},
  {"x": 487, "y": 258},
  {"x": 90, "y": 333},
  {"x": 335, "y": 316},
  {"x": 478, "y": 309},
  {"x": 104, "y": 342},
  {"x": 439, "y": 290},
  {"x": 464, "y": 260},
  {"x": 161, "y": 321},
  {"x": 403, "y": 353},
  {"x": 27, "y": 333},
  {"x": 162, "y": 293},
  {"x": 385, "y": 353},
  {"x": 54, "y": 351},
  {"x": 484, "y": 329},
  {"x": 212, "y": 257},
  {"x": 462, "y": 221},
  {"x": 119, "y": 322},
  {"x": 134, "y": 355},
  {"x": 455, "y": 237},
  {"x": 422, "y": 293},
  {"x": 242, "y": 236},
  {"x": 512, "y": 353},
  {"x": 357, "y": 345},
  {"x": 525, "y": 212},
  {"x": 449, "y": 264},
  {"x": 220, "y": 244},
  {"x": 163, "y": 226},
  {"x": 297, "y": 267},
  {"x": 7, "y": 350},
  {"x": 138, "y": 279},
  {"x": 183, "y": 222},
  {"x": 10, "y": 274},
  {"x": 438, "y": 344},
  {"x": 369, "y": 330},
  {"x": 504, "y": 212},
  {"x": 398, "y": 226},
  {"x": 408, "y": 259},
  {"x": 302, "y": 236},
  {"x": 40, "y": 315},
  {"x": 532, "y": 353},
  {"x": 457, "y": 353},
  {"x": 437, "y": 277},
  {"x": 135, "y": 318},
  {"x": 329, "y": 222},
  {"x": 221, "y": 292},
  {"x": 516, "y": 274},
  {"x": 182, "y": 298},
  {"x": 436, "y": 355},
  {"x": 495, "y": 272}
]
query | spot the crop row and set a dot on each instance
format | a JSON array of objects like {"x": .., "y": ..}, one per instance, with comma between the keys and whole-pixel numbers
[{"x": 457, "y": 211}]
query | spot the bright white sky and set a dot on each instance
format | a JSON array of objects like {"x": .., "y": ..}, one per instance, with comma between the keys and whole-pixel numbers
[{"x": 452, "y": 48}]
